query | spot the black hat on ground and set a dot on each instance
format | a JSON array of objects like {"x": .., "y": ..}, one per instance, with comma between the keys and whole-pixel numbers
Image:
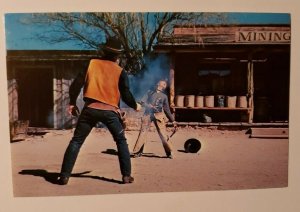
[
  {"x": 113, "y": 45},
  {"x": 192, "y": 145}
]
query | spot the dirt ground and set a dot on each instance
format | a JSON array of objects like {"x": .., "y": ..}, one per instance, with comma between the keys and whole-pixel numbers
[{"x": 228, "y": 160}]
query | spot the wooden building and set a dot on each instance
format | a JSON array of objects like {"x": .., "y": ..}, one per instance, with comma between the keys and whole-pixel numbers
[
  {"x": 229, "y": 73},
  {"x": 247, "y": 65},
  {"x": 38, "y": 85}
]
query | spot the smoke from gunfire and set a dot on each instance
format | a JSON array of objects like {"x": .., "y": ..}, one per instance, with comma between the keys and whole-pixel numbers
[{"x": 156, "y": 69}]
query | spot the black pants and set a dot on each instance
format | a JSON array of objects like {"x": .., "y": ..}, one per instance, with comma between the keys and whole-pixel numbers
[{"x": 87, "y": 120}]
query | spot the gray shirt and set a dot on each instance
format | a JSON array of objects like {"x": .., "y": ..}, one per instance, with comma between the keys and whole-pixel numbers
[{"x": 156, "y": 102}]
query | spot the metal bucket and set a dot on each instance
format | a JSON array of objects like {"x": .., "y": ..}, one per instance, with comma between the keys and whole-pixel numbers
[
  {"x": 209, "y": 101},
  {"x": 189, "y": 101},
  {"x": 199, "y": 101},
  {"x": 192, "y": 145},
  {"x": 231, "y": 101},
  {"x": 242, "y": 101},
  {"x": 179, "y": 101}
]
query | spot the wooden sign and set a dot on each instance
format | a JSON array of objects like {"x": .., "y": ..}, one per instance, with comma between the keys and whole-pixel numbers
[
  {"x": 233, "y": 34},
  {"x": 263, "y": 36}
]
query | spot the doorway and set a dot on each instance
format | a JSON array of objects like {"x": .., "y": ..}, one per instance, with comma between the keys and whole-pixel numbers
[
  {"x": 271, "y": 84},
  {"x": 35, "y": 96}
]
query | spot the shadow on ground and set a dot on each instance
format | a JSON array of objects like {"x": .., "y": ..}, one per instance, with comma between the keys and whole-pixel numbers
[
  {"x": 151, "y": 155},
  {"x": 110, "y": 152},
  {"x": 52, "y": 176}
]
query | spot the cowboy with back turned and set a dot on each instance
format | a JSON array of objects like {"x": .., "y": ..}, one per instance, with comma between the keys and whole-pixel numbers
[{"x": 104, "y": 83}]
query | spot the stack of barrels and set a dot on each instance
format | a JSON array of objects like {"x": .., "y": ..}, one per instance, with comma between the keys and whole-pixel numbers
[{"x": 192, "y": 101}]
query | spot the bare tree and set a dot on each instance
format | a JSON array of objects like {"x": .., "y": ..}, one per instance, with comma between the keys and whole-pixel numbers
[{"x": 138, "y": 32}]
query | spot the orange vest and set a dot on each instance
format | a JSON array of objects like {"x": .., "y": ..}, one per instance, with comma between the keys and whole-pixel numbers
[{"x": 102, "y": 82}]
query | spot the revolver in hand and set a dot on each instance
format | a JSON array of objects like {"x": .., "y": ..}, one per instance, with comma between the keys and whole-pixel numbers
[{"x": 73, "y": 110}]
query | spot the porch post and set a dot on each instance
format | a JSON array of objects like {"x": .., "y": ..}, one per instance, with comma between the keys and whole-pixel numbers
[
  {"x": 250, "y": 90},
  {"x": 172, "y": 81}
]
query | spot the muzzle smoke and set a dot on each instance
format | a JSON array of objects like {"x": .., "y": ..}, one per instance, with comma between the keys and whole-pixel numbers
[{"x": 156, "y": 69}]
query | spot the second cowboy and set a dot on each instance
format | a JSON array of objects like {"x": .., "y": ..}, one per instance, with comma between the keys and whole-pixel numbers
[{"x": 156, "y": 109}]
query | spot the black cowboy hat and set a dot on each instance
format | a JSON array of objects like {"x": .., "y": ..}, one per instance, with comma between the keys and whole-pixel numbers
[
  {"x": 192, "y": 145},
  {"x": 113, "y": 45}
]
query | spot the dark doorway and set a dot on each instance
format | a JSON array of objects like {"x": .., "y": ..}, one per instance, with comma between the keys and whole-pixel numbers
[
  {"x": 271, "y": 84},
  {"x": 35, "y": 96}
]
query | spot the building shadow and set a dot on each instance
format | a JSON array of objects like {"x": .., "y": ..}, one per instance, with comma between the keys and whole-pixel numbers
[
  {"x": 16, "y": 140},
  {"x": 52, "y": 177}
]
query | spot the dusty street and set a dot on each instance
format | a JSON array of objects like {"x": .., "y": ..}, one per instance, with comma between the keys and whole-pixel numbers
[{"x": 228, "y": 160}]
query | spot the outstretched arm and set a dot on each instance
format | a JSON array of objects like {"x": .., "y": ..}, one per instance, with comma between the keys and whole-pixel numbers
[{"x": 126, "y": 94}]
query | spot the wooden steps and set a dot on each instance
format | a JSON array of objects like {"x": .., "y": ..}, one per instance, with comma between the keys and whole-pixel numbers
[{"x": 269, "y": 132}]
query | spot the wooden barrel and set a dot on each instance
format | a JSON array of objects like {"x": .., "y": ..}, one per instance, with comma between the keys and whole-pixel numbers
[
  {"x": 18, "y": 129},
  {"x": 179, "y": 101},
  {"x": 199, "y": 101},
  {"x": 209, "y": 101},
  {"x": 261, "y": 110},
  {"x": 242, "y": 101},
  {"x": 231, "y": 101},
  {"x": 189, "y": 101}
]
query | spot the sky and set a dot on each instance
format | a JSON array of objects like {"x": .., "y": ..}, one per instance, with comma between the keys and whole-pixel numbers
[{"x": 20, "y": 36}]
